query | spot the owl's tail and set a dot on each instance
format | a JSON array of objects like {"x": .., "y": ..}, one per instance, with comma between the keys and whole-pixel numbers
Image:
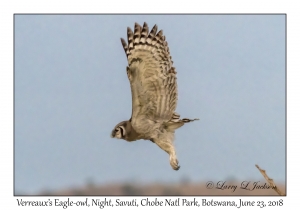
[
  {"x": 176, "y": 122},
  {"x": 176, "y": 116}
]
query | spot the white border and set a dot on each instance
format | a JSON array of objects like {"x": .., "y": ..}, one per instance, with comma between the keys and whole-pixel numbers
[{"x": 8, "y": 8}]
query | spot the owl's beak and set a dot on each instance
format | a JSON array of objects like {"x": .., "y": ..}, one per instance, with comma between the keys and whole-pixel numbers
[{"x": 112, "y": 135}]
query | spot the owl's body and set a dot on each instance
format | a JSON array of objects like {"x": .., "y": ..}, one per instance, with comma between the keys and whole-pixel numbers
[{"x": 153, "y": 84}]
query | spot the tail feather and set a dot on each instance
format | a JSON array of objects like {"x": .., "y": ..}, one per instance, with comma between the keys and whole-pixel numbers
[
  {"x": 176, "y": 118},
  {"x": 176, "y": 122},
  {"x": 186, "y": 120}
]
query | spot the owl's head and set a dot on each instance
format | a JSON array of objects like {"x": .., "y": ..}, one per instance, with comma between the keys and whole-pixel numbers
[{"x": 119, "y": 131}]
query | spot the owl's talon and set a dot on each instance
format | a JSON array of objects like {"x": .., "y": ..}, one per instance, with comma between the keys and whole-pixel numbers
[{"x": 174, "y": 164}]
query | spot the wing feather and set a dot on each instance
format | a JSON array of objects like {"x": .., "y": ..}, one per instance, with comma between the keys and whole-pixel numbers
[{"x": 151, "y": 74}]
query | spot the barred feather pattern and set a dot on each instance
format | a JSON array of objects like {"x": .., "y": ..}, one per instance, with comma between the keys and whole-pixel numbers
[{"x": 151, "y": 73}]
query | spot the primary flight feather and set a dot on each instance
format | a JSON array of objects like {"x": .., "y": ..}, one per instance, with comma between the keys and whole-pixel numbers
[{"x": 152, "y": 78}]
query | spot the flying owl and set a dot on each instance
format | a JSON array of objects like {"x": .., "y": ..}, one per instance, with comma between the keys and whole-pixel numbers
[{"x": 152, "y": 78}]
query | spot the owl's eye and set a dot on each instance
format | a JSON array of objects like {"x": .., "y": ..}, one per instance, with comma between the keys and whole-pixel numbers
[{"x": 117, "y": 129}]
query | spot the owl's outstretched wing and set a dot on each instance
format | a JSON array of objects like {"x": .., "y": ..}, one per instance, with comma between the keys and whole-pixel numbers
[{"x": 151, "y": 74}]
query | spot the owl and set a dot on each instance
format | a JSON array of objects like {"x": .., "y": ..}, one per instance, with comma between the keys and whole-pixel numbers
[{"x": 152, "y": 78}]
